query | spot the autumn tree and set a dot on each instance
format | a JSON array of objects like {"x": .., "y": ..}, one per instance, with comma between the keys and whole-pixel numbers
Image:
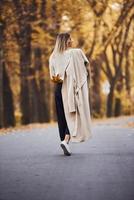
[{"x": 7, "y": 117}]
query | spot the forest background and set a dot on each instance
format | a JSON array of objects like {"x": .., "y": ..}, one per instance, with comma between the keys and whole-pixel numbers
[{"x": 104, "y": 29}]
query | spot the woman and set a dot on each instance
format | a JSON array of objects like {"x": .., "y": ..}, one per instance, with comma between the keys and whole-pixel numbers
[{"x": 68, "y": 70}]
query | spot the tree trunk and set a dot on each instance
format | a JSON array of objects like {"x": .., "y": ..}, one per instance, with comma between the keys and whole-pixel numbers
[
  {"x": 25, "y": 63},
  {"x": 44, "y": 113},
  {"x": 1, "y": 74},
  {"x": 96, "y": 96},
  {"x": 9, "y": 119},
  {"x": 34, "y": 97},
  {"x": 6, "y": 100},
  {"x": 117, "y": 110},
  {"x": 110, "y": 102},
  {"x": 29, "y": 88}
]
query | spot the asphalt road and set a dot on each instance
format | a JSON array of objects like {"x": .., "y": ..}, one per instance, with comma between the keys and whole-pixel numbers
[{"x": 33, "y": 167}]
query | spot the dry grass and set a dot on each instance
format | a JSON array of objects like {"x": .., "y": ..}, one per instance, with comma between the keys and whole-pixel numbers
[{"x": 4, "y": 131}]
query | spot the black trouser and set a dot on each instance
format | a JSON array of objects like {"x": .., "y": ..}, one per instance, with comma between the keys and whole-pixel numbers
[{"x": 62, "y": 124}]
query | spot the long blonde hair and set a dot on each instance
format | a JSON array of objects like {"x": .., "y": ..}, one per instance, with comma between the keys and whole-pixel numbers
[{"x": 61, "y": 43}]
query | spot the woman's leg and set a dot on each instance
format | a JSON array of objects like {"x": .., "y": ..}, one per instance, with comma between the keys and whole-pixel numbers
[
  {"x": 67, "y": 135},
  {"x": 67, "y": 138},
  {"x": 62, "y": 124}
]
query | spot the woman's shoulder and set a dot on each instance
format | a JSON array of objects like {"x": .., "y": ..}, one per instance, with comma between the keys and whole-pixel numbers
[{"x": 74, "y": 51}]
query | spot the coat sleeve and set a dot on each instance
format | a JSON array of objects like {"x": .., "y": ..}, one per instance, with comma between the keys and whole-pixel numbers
[
  {"x": 71, "y": 94},
  {"x": 51, "y": 68}
]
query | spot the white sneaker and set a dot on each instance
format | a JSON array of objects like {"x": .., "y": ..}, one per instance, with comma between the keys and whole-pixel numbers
[{"x": 65, "y": 148}]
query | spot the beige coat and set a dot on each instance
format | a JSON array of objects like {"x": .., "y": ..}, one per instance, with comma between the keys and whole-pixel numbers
[{"x": 75, "y": 94}]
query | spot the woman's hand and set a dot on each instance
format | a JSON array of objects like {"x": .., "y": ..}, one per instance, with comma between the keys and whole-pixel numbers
[{"x": 56, "y": 79}]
